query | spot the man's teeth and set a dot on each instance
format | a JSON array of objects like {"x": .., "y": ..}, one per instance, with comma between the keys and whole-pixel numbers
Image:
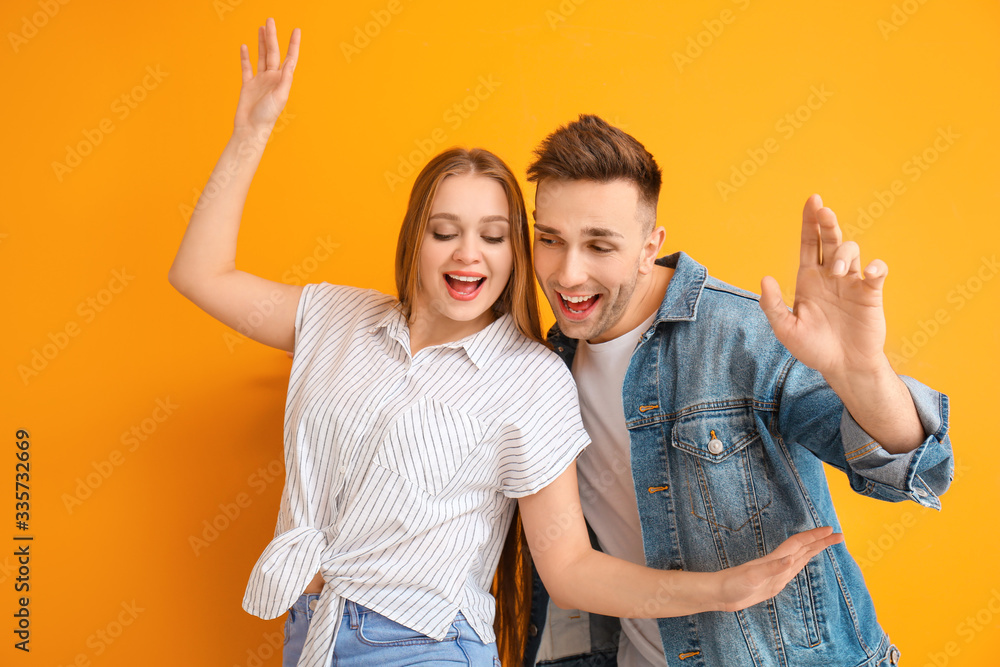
[
  {"x": 578, "y": 299},
  {"x": 465, "y": 279}
]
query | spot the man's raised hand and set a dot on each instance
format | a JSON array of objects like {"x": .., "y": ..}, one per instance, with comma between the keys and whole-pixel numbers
[{"x": 837, "y": 325}]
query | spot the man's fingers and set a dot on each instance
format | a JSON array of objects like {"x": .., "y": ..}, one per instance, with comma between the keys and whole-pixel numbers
[
  {"x": 844, "y": 260},
  {"x": 774, "y": 307},
  {"x": 829, "y": 232},
  {"x": 809, "y": 251},
  {"x": 875, "y": 274}
]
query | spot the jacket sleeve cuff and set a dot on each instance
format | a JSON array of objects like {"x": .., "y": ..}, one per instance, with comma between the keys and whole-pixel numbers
[{"x": 922, "y": 474}]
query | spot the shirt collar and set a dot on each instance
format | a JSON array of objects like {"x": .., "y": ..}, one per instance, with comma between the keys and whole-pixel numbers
[{"x": 482, "y": 347}]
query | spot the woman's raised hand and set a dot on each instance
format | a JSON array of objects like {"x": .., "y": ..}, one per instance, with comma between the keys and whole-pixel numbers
[{"x": 263, "y": 96}]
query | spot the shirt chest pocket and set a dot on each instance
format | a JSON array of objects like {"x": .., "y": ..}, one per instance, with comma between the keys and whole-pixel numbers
[
  {"x": 724, "y": 465},
  {"x": 428, "y": 443}
]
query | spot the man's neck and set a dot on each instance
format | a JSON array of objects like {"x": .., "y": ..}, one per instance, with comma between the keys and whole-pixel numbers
[{"x": 645, "y": 301}]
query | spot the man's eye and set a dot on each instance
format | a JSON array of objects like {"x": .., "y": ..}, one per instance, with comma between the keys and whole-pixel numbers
[
  {"x": 494, "y": 239},
  {"x": 601, "y": 250},
  {"x": 545, "y": 241},
  {"x": 443, "y": 237}
]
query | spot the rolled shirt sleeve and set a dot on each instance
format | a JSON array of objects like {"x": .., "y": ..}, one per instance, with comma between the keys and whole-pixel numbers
[
  {"x": 813, "y": 416},
  {"x": 922, "y": 474}
]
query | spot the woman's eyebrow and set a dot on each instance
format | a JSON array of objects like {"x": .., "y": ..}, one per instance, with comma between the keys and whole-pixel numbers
[{"x": 455, "y": 218}]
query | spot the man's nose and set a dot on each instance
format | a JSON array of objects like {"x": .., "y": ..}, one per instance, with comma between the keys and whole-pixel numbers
[{"x": 571, "y": 271}]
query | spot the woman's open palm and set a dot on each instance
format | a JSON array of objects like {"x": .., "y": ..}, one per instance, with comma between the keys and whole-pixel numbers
[{"x": 263, "y": 97}]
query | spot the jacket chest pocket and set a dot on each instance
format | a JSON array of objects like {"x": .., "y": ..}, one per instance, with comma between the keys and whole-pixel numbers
[
  {"x": 724, "y": 465},
  {"x": 428, "y": 443}
]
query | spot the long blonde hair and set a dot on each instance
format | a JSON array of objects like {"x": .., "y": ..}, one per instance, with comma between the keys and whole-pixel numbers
[{"x": 512, "y": 583}]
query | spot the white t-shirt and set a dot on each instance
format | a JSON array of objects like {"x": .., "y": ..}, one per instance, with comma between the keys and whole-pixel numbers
[
  {"x": 401, "y": 470},
  {"x": 607, "y": 490}
]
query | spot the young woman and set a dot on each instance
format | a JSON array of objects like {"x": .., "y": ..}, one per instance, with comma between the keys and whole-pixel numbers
[{"x": 411, "y": 425}]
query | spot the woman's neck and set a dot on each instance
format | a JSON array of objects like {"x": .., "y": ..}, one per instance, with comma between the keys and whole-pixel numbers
[{"x": 429, "y": 329}]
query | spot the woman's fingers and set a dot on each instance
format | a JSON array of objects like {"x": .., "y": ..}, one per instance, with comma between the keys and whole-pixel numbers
[
  {"x": 292, "y": 57},
  {"x": 273, "y": 51},
  {"x": 247, "y": 70},
  {"x": 261, "y": 49}
]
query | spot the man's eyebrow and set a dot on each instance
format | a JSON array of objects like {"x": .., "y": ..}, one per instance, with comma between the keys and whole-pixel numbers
[
  {"x": 455, "y": 218},
  {"x": 606, "y": 232}
]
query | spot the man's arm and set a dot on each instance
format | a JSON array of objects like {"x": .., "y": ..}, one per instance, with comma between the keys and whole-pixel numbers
[{"x": 837, "y": 327}]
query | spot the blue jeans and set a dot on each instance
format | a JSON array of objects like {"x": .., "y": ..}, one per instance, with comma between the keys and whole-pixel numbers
[{"x": 368, "y": 639}]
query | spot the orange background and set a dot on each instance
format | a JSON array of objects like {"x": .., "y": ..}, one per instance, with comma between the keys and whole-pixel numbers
[{"x": 115, "y": 576}]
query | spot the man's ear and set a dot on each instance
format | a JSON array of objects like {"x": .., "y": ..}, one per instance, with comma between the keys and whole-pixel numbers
[{"x": 651, "y": 249}]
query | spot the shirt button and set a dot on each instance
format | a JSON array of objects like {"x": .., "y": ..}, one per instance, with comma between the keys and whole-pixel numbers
[
  {"x": 343, "y": 470},
  {"x": 532, "y": 630},
  {"x": 715, "y": 446}
]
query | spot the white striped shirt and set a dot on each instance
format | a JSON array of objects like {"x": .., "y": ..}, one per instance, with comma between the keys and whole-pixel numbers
[{"x": 400, "y": 470}]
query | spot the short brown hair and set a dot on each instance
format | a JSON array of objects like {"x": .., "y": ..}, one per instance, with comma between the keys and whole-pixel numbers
[
  {"x": 518, "y": 297},
  {"x": 591, "y": 149}
]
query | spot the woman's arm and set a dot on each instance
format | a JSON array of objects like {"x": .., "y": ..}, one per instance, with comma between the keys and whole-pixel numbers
[
  {"x": 578, "y": 577},
  {"x": 205, "y": 267}
]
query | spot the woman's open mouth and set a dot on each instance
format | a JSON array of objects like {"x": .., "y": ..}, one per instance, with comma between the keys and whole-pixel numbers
[{"x": 464, "y": 287}]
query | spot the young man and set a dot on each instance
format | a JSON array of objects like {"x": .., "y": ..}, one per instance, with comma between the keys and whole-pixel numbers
[{"x": 712, "y": 411}]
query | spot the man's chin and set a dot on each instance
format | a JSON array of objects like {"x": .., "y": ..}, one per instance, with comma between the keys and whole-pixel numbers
[{"x": 580, "y": 329}]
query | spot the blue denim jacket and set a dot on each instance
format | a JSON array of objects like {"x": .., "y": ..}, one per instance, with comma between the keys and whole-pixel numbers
[{"x": 729, "y": 434}]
